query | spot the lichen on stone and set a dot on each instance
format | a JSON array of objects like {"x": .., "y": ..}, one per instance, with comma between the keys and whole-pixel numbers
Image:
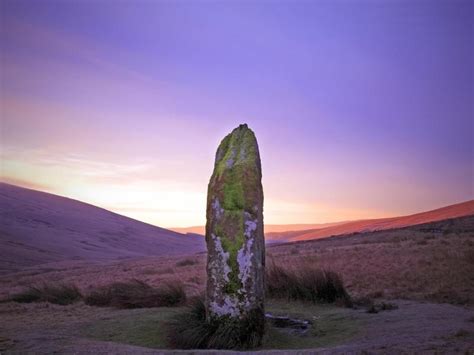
[
  {"x": 241, "y": 140},
  {"x": 244, "y": 258},
  {"x": 229, "y": 306},
  {"x": 220, "y": 265},
  {"x": 234, "y": 224},
  {"x": 216, "y": 207}
]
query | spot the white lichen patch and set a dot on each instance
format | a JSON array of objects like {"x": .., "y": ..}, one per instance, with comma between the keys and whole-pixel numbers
[
  {"x": 244, "y": 259},
  {"x": 250, "y": 226},
  {"x": 229, "y": 306},
  {"x": 220, "y": 263},
  {"x": 244, "y": 255},
  {"x": 216, "y": 207}
]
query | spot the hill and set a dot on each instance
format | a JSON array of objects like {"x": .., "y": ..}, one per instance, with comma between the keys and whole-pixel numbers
[
  {"x": 295, "y": 232},
  {"x": 448, "y": 212},
  {"x": 270, "y": 229},
  {"x": 38, "y": 227}
]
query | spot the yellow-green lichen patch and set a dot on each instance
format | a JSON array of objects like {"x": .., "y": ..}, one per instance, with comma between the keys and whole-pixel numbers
[
  {"x": 236, "y": 148},
  {"x": 231, "y": 233},
  {"x": 233, "y": 196}
]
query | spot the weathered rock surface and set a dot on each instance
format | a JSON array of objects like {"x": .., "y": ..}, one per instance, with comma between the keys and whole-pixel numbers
[{"x": 234, "y": 230}]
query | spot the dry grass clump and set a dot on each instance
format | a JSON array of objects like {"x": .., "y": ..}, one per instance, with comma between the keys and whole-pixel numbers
[
  {"x": 397, "y": 263},
  {"x": 306, "y": 284},
  {"x": 137, "y": 294},
  {"x": 61, "y": 294},
  {"x": 469, "y": 254},
  {"x": 191, "y": 330},
  {"x": 186, "y": 262},
  {"x": 461, "y": 333}
]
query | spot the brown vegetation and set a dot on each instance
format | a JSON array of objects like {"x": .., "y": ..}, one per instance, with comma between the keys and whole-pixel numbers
[
  {"x": 305, "y": 284},
  {"x": 386, "y": 264},
  {"x": 62, "y": 294},
  {"x": 427, "y": 262},
  {"x": 137, "y": 294}
]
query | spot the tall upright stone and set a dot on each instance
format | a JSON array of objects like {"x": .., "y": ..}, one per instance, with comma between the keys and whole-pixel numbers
[{"x": 234, "y": 232}]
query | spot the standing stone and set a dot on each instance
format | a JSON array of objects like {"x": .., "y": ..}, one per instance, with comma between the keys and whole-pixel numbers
[{"x": 234, "y": 233}]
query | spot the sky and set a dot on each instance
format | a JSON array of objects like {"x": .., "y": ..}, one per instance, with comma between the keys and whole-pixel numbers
[{"x": 362, "y": 109}]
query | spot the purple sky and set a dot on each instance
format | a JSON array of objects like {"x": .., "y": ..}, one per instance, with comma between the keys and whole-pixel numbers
[{"x": 361, "y": 108}]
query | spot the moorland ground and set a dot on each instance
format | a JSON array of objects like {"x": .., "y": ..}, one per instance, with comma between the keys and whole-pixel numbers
[{"x": 426, "y": 270}]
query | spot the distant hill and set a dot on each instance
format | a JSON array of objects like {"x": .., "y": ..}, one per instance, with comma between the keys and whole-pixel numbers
[
  {"x": 294, "y": 232},
  {"x": 452, "y": 211},
  {"x": 270, "y": 229},
  {"x": 445, "y": 227},
  {"x": 38, "y": 227}
]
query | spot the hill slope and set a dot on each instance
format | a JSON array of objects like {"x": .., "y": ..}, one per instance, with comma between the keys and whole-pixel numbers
[
  {"x": 37, "y": 227},
  {"x": 272, "y": 231},
  {"x": 453, "y": 211},
  {"x": 295, "y": 232}
]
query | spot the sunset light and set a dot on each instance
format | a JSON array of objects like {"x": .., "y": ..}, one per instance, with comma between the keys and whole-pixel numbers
[{"x": 354, "y": 121}]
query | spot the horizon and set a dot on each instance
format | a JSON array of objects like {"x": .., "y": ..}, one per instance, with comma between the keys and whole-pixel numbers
[
  {"x": 300, "y": 225},
  {"x": 123, "y": 107}
]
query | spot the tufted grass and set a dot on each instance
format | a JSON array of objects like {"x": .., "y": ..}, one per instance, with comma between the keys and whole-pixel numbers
[
  {"x": 137, "y": 294},
  {"x": 61, "y": 294},
  {"x": 191, "y": 330},
  {"x": 306, "y": 284}
]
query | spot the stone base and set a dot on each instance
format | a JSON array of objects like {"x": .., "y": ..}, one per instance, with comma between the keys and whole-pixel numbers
[
  {"x": 247, "y": 330},
  {"x": 194, "y": 330}
]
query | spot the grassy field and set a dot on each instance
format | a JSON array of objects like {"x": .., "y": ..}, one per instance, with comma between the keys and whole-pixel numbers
[
  {"x": 147, "y": 327},
  {"x": 427, "y": 270},
  {"x": 433, "y": 262},
  {"x": 144, "y": 327},
  {"x": 331, "y": 325}
]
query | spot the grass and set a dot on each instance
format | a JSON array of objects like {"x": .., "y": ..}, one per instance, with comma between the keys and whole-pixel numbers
[
  {"x": 191, "y": 330},
  {"x": 141, "y": 327},
  {"x": 137, "y": 294},
  {"x": 62, "y": 294},
  {"x": 397, "y": 262},
  {"x": 144, "y": 327},
  {"x": 469, "y": 255},
  {"x": 306, "y": 284},
  {"x": 188, "y": 328},
  {"x": 390, "y": 262},
  {"x": 331, "y": 325},
  {"x": 186, "y": 262},
  {"x": 461, "y": 333}
]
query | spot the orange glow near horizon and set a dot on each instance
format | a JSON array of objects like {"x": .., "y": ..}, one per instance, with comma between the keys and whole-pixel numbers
[{"x": 136, "y": 191}]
